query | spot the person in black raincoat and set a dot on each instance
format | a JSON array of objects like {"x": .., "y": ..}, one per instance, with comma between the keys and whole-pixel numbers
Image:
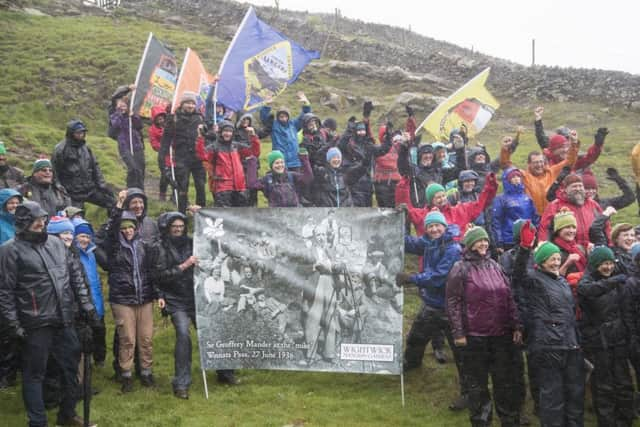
[
  {"x": 604, "y": 339},
  {"x": 331, "y": 182}
]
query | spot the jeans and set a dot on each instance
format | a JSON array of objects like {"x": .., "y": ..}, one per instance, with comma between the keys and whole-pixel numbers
[
  {"x": 182, "y": 352},
  {"x": 63, "y": 345}
]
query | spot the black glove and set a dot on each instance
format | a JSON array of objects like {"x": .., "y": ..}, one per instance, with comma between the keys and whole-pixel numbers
[
  {"x": 93, "y": 319},
  {"x": 409, "y": 110},
  {"x": 85, "y": 336},
  {"x": 367, "y": 108},
  {"x": 601, "y": 134},
  {"x": 612, "y": 174},
  {"x": 403, "y": 278},
  {"x": 618, "y": 279}
]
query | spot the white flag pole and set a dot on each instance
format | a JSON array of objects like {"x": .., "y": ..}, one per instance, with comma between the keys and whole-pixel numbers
[{"x": 175, "y": 93}]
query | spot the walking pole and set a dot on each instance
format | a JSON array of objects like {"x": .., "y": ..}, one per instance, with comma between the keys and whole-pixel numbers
[
  {"x": 86, "y": 385},
  {"x": 206, "y": 387},
  {"x": 173, "y": 174},
  {"x": 130, "y": 136}
]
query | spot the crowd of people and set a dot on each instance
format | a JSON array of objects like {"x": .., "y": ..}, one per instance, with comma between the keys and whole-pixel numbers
[{"x": 537, "y": 276}]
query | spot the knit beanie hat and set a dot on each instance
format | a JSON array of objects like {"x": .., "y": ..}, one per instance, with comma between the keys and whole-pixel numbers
[
  {"x": 82, "y": 227},
  {"x": 41, "y": 164},
  {"x": 3, "y": 149},
  {"x": 619, "y": 228},
  {"x": 600, "y": 254},
  {"x": 571, "y": 179},
  {"x": 273, "y": 156},
  {"x": 563, "y": 219},
  {"x": 474, "y": 235},
  {"x": 127, "y": 223},
  {"x": 188, "y": 96},
  {"x": 513, "y": 172},
  {"x": 517, "y": 226},
  {"x": 589, "y": 181},
  {"x": 361, "y": 126},
  {"x": 435, "y": 217},
  {"x": 544, "y": 251},
  {"x": 431, "y": 191},
  {"x": 59, "y": 224},
  {"x": 333, "y": 152},
  {"x": 71, "y": 211},
  {"x": 557, "y": 141}
]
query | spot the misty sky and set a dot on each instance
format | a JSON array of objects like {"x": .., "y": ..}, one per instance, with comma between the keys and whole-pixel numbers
[{"x": 568, "y": 33}]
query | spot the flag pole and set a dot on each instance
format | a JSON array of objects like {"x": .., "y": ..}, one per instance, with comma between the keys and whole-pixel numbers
[
  {"x": 173, "y": 174},
  {"x": 135, "y": 86},
  {"x": 226, "y": 55},
  {"x": 175, "y": 93}
]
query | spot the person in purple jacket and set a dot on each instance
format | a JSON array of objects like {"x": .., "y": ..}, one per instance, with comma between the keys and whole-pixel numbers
[
  {"x": 279, "y": 185},
  {"x": 485, "y": 327},
  {"x": 130, "y": 145}
]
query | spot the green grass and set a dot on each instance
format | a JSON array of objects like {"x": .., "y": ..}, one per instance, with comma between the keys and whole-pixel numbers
[{"x": 56, "y": 69}]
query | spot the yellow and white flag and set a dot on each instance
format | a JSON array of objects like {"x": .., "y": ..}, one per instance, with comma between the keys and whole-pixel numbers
[{"x": 472, "y": 105}]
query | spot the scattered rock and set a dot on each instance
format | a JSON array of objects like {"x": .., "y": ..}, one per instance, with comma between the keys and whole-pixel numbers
[
  {"x": 634, "y": 106},
  {"x": 34, "y": 12}
]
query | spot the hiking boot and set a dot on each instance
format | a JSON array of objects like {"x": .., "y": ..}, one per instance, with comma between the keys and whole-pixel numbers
[
  {"x": 181, "y": 393},
  {"x": 147, "y": 381},
  {"x": 460, "y": 404},
  {"x": 127, "y": 384},
  {"x": 440, "y": 356},
  {"x": 228, "y": 378},
  {"x": 75, "y": 421}
]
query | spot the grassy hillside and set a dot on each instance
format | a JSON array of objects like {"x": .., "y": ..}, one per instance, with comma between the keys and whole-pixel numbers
[{"x": 56, "y": 69}]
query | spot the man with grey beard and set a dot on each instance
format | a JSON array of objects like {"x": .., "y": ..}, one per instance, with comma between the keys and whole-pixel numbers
[{"x": 573, "y": 197}]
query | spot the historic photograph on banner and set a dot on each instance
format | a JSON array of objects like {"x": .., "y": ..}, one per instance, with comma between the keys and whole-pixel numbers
[{"x": 299, "y": 289}]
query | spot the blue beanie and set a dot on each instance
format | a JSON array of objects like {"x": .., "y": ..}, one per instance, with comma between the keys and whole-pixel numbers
[
  {"x": 333, "y": 152},
  {"x": 59, "y": 224},
  {"x": 82, "y": 227},
  {"x": 435, "y": 217}
]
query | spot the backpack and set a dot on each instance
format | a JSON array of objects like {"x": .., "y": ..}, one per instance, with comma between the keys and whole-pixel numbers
[{"x": 111, "y": 131}]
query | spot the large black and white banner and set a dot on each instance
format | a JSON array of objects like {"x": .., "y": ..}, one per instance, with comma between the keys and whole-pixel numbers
[{"x": 299, "y": 289}]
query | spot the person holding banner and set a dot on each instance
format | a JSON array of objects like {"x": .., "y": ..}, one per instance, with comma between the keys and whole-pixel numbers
[
  {"x": 284, "y": 131},
  {"x": 179, "y": 140},
  {"x": 129, "y": 130}
]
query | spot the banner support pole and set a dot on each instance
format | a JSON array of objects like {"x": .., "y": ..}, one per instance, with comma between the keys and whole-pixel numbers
[
  {"x": 401, "y": 387},
  {"x": 206, "y": 387}
]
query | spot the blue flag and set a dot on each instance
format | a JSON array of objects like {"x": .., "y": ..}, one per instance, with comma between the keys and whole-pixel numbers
[{"x": 260, "y": 62}]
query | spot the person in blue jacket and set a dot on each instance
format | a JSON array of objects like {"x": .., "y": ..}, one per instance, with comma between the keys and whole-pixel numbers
[
  {"x": 9, "y": 201},
  {"x": 439, "y": 251},
  {"x": 508, "y": 207},
  {"x": 83, "y": 241},
  {"x": 284, "y": 130}
]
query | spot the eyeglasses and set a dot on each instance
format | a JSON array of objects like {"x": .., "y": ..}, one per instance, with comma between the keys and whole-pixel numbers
[
  {"x": 45, "y": 170},
  {"x": 177, "y": 226}
]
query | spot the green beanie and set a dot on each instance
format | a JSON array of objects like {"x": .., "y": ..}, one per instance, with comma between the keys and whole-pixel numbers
[
  {"x": 544, "y": 251},
  {"x": 434, "y": 217},
  {"x": 598, "y": 255},
  {"x": 41, "y": 164},
  {"x": 3, "y": 149},
  {"x": 563, "y": 219},
  {"x": 474, "y": 235},
  {"x": 273, "y": 156},
  {"x": 431, "y": 191},
  {"x": 517, "y": 226},
  {"x": 127, "y": 223}
]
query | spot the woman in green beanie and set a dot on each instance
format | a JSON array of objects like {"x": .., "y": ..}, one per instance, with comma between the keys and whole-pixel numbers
[
  {"x": 279, "y": 184},
  {"x": 552, "y": 332},
  {"x": 604, "y": 338},
  {"x": 573, "y": 255},
  {"x": 485, "y": 326}
]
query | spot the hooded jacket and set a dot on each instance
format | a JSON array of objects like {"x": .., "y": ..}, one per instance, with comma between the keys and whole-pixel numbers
[
  {"x": 332, "y": 186},
  {"x": 601, "y": 300},
  {"x": 280, "y": 189},
  {"x": 147, "y": 227},
  {"x": 284, "y": 135},
  {"x": 40, "y": 282},
  {"x": 7, "y": 220},
  {"x": 11, "y": 177},
  {"x": 88, "y": 259},
  {"x": 120, "y": 123},
  {"x": 551, "y": 308},
  {"x": 224, "y": 162},
  {"x": 52, "y": 197},
  {"x": 181, "y": 134},
  {"x": 75, "y": 166},
  {"x": 156, "y": 132},
  {"x": 175, "y": 286},
  {"x": 130, "y": 264},
  {"x": 315, "y": 143},
  {"x": 438, "y": 257},
  {"x": 507, "y": 208},
  {"x": 479, "y": 300}
]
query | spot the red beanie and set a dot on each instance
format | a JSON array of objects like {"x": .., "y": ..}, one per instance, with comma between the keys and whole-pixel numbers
[
  {"x": 589, "y": 181},
  {"x": 570, "y": 179},
  {"x": 557, "y": 141}
]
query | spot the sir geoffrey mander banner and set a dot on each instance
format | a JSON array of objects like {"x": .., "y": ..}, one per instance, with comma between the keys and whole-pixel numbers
[{"x": 299, "y": 289}]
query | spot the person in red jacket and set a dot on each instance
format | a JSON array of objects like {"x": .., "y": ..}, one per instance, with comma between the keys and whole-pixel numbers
[
  {"x": 436, "y": 197},
  {"x": 158, "y": 116},
  {"x": 573, "y": 197},
  {"x": 223, "y": 162}
]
